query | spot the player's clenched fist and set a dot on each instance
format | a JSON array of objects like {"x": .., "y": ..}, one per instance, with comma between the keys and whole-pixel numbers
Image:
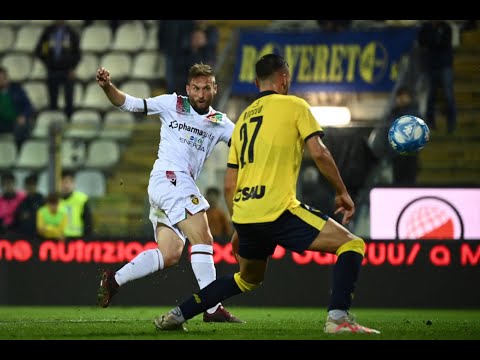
[{"x": 103, "y": 77}]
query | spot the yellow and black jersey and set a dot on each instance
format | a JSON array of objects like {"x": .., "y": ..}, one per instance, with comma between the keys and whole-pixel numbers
[{"x": 267, "y": 148}]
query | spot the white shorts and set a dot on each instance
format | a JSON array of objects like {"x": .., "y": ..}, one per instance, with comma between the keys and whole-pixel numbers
[{"x": 173, "y": 195}]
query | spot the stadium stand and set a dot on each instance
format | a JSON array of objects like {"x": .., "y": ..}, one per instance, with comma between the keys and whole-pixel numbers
[
  {"x": 44, "y": 119},
  {"x": 91, "y": 182},
  {"x": 7, "y": 38},
  {"x": 19, "y": 65},
  {"x": 117, "y": 125},
  {"x": 84, "y": 124},
  {"x": 73, "y": 154},
  {"x": 33, "y": 155},
  {"x": 96, "y": 38},
  {"x": 102, "y": 154},
  {"x": 8, "y": 149},
  {"x": 130, "y": 37}
]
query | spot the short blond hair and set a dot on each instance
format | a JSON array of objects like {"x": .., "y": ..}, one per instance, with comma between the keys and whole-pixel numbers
[{"x": 200, "y": 69}]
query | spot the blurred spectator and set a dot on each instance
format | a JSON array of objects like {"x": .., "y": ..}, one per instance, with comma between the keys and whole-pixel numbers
[
  {"x": 173, "y": 38},
  {"x": 78, "y": 208},
  {"x": 334, "y": 25},
  {"x": 59, "y": 49},
  {"x": 435, "y": 39},
  {"x": 16, "y": 110},
  {"x": 201, "y": 48},
  {"x": 184, "y": 43},
  {"x": 218, "y": 220},
  {"x": 405, "y": 168},
  {"x": 52, "y": 219},
  {"x": 25, "y": 223},
  {"x": 9, "y": 201}
]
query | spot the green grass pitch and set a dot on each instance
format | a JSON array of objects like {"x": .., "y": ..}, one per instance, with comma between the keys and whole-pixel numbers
[{"x": 135, "y": 323}]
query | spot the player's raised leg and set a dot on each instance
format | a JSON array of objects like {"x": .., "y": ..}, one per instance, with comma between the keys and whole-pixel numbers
[{"x": 168, "y": 253}]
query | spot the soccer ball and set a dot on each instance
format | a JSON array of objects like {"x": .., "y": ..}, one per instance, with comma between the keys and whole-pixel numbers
[{"x": 408, "y": 135}]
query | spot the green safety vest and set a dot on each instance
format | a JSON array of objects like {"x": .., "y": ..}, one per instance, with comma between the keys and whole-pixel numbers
[
  {"x": 52, "y": 220},
  {"x": 74, "y": 205}
]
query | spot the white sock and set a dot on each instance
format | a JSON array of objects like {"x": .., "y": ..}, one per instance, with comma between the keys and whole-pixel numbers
[
  {"x": 145, "y": 263},
  {"x": 337, "y": 314},
  {"x": 203, "y": 267}
]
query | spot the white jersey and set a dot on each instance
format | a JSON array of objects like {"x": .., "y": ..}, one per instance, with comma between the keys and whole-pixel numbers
[{"x": 186, "y": 138}]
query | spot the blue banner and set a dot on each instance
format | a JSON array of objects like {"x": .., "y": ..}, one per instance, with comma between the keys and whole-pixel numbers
[{"x": 320, "y": 61}]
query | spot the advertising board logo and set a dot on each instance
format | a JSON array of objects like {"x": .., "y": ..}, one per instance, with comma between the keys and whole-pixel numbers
[{"x": 429, "y": 217}]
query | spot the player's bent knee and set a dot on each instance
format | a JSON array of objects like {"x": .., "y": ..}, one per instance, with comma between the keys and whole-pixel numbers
[
  {"x": 242, "y": 284},
  {"x": 171, "y": 258},
  {"x": 357, "y": 245}
]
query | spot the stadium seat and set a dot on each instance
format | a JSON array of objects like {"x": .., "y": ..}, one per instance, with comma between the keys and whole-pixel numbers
[
  {"x": 145, "y": 66},
  {"x": 13, "y": 22},
  {"x": 37, "y": 93},
  {"x": 7, "y": 38},
  {"x": 27, "y": 38},
  {"x": 33, "y": 154},
  {"x": 18, "y": 66},
  {"x": 44, "y": 119},
  {"x": 137, "y": 88},
  {"x": 39, "y": 71},
  {"x": 87, "y": 68},
  {"x": 102, "y": 154},
  {"x": 8, "y": 151},
  {"x": 96, "y": 38},
  {"x": 130, "y": 37},
  {"x": 84, "y": 124},
  {"x": 151, "y": 42},
  {"x": 117, "y": 125},
  {"x": 74, "y": 153},
  {"x": 91, "y": 182},
  {"x": 94, "y": 98},
  {"x": 118, "y": 64},
  {"x": 41, "y": 22}
]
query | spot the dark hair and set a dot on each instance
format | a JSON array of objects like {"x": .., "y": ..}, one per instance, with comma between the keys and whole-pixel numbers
[
  {"x": 53, "y": 198},
  {"x": 401, "y": 90},
  {"x": 68, "y": 173},
  {"x": 31, "y": 179},
  {"x": 200, "y": 69},
  {"x": 268, "y": 65},
  {"x": 8, "y": 176},
  {"x": 3, "y": 70}
]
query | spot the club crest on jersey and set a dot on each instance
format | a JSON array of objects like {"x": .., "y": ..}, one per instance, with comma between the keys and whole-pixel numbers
[
  {"x": 172, "y": 177},
  {"x": 194, "y": 199},
  {"x": 183, "y": 106},
  {"x": 216, "y": 118}
]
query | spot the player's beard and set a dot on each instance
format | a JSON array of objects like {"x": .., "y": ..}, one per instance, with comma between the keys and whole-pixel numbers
[{"x": 200, "y": 108}]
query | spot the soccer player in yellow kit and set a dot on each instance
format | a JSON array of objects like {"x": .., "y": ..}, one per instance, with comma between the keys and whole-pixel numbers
[{"x": 260, "y": 191}]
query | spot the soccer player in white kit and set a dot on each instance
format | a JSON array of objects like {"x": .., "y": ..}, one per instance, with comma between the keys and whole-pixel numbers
[{"x": 190, "y": 130}]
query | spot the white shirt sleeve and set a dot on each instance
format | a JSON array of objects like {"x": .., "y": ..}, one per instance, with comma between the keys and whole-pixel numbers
[
  {"x": 133, "y": 104},
  {"x": 150, "y": 106}
]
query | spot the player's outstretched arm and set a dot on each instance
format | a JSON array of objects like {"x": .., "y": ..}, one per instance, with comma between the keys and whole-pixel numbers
[
  {"x": 115, "y": 96},
  {"x": 327, "y": 166}
]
